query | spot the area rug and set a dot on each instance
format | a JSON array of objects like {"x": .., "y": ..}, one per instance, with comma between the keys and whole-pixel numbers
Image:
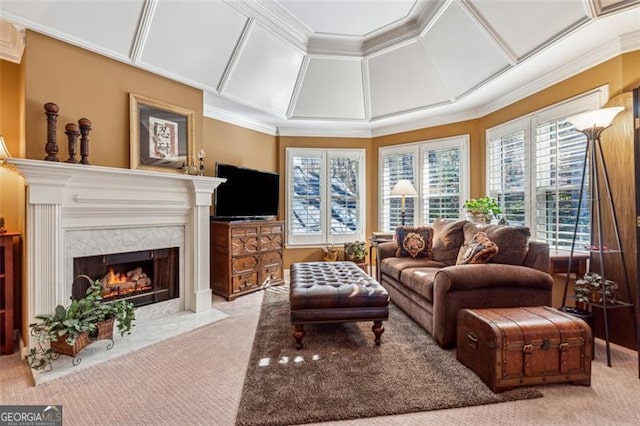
[{"x": 340, "y": 374}]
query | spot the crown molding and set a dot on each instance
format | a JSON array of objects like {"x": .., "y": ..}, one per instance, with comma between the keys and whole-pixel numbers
[
  {"x": 11, "y": 42},
  {"x": 606, "y": 51},
  {"x": 239, "y": 120},
  {"x": 324, "y": 132}
]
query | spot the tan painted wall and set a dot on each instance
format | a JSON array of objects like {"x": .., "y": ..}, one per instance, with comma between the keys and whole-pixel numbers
[
  {"x": 11, "y": 185},
  {"x": 85, "y": 84},
  {"x": 226, "y": 143},
  {"x": 284, "y": 142}
]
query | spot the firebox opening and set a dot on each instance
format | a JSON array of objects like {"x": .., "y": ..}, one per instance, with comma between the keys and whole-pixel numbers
[{"x": 142, "y": 277}]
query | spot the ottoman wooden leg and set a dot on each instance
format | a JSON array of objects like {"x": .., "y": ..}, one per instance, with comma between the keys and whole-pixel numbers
[
  {"x": 378, "y": 329},
  {"x": 298, "y": 334}
]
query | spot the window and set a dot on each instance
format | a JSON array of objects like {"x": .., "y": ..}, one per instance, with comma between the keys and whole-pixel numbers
[
  {"x": 438, "y": 171},
  {"x": 534, "y": 168},
  {"x": 325, "y": 196}
]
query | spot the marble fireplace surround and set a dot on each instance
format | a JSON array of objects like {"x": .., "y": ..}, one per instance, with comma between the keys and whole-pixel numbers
[{"x": 71, "y": 208}]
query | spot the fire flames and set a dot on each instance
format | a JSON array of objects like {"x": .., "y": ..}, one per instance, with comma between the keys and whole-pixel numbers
[{"x": 118, "y": 284}]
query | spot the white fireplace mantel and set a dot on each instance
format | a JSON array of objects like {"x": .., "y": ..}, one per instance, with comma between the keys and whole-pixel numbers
[{"x": 64, "y": 197}]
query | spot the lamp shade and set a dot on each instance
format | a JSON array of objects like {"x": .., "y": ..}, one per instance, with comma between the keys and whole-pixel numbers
[
  {"x": 4, "y": 152},
  {"x": 404, "y": 187},
  {"x": 600, "y": 118}
]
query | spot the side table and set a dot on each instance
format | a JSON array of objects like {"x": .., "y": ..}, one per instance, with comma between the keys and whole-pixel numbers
[{"x": 373, "y": 243}]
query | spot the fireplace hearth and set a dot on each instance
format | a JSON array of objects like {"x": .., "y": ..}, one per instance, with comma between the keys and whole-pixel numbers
[{"x": 142, "y": 277}]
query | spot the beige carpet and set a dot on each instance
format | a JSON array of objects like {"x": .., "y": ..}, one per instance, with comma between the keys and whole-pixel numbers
[
  {"x": 197, "y": 379},
  {"x": 341, "y": 374}
]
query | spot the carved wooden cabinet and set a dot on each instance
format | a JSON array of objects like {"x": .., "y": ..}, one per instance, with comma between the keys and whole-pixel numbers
[{"x": 245, "y": 256}]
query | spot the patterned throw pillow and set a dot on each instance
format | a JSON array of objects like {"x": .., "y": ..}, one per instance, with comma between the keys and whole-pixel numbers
[
  {"x": 479, "y": 250},
  {"x": 414, "y": 242}
]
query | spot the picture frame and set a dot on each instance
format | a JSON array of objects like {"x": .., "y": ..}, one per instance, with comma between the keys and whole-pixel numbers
[{"x": 161, "y": 135}]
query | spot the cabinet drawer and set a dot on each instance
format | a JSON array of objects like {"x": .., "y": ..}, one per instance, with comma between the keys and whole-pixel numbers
[
  {"x": 271, "y": 275},
  {"x": 244, "y": 231},
  {"x": 244, "y": 264},
  {"x": 244, "y": 245},
  {"x": 271, "y": 258},
  {"x": 271, "y": 242},
  {"x": 271, "y": 229},
  {"x": 244, "y": 282}
]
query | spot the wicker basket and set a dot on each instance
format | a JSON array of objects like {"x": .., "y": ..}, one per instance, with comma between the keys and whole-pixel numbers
[{"x": 105, "y": 331}]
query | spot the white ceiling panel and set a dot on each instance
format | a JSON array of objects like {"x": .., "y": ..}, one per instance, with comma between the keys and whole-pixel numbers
[
  {"x": 525, "y": 25},
  {"x": 350, "y": 18},
  {"x": 106, "y": 26},
  {"x": 342, "y": 66},
  {"x": 331, "y": 88},
  {"x": 462, "y": 51},
  {"x": 403, "y": 79},
  {"x": 265, "y": 71},
  {"x": 194, "y": 42}
]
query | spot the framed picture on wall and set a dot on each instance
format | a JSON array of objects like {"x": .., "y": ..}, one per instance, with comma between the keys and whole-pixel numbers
[{"x": 161, "y": 135}]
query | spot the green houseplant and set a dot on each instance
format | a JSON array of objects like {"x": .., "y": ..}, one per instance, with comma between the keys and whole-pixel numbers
[
  {"x": 482, "y": 209},
  {"x": 84, "y": 320},
  {"x": 355, "y": 251},
  {"x": 589, "y": 289}
]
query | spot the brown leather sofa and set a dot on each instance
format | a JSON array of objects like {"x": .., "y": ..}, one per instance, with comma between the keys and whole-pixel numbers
[{"x": 432, "y": 291}]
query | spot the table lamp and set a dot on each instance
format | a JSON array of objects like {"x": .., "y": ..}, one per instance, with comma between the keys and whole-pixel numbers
[{"x": 403, "y": 188}]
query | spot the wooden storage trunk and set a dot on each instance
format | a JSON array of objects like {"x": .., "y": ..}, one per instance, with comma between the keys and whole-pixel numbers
[{"x": 510, "y": 347}]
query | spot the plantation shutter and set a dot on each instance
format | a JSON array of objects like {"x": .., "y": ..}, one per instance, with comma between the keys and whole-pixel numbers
[
  {"x": 560, "y": 152},
  {"x": 396, "y": 166},
  {"x": 305, "y": 198},
  {"x": 325, "y": 190},
  {"x": 441, "y": 183},
  {"x": 507, "y": 174},
  {"x": 346, "y": 179}
]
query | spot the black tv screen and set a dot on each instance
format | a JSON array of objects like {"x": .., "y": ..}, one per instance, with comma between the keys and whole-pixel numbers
[{"x": 247, "y": 193}]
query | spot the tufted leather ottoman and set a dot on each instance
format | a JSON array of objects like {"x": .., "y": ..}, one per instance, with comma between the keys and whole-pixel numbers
[{"x": 324, "y": 292}]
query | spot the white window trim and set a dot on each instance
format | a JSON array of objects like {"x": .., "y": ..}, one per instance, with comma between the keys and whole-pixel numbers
[
  {"x": 325, "y": 238},
  {"x": 591, "y": 100},
  {"x": 419, "y": 148}
]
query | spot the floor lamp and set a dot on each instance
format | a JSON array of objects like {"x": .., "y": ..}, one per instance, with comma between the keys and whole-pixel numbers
[
  {"x": 403, "y": 188},
  {"x": 592, "y": 123}
]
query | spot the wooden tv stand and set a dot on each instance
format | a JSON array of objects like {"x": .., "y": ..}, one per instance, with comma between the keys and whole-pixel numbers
[{"x": 246, "y": 256}]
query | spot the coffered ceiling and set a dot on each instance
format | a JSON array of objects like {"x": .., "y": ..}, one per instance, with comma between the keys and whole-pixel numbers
[{"x": 350, "y": 68}]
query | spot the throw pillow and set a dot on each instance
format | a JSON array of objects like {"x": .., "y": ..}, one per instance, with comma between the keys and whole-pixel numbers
[
  {"x": 479, "y": 250},
  {"x": 512, "y": 240},
  {"x": 448, "y": 237},
  {"x": 414, "y": 241}
]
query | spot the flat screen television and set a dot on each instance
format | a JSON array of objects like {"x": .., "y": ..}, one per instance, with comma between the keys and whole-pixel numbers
[{"x": 247, "y": 193}]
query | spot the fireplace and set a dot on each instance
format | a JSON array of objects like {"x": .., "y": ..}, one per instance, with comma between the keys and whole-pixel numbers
[
  {"x": 142, "y": 277},
  {"x": 76, "y": 211}
]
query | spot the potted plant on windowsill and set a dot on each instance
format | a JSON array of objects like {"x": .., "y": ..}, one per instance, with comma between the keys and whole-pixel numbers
[
  {"x": 482, "y": 209},
  {"x": 355, "y": 251},
  {"x": 68, "y": 330}
]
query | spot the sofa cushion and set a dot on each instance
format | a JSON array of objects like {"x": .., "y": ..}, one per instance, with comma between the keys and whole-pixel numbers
[
  {"x": 393, "y": 266},
  {"x": 480, "y": 250},
  {"x": 512, "y": 241},
  {"x": 420, "y": 280},
  {"x": 414, "y": 241},
  {"x": 448, "y": 237}
]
